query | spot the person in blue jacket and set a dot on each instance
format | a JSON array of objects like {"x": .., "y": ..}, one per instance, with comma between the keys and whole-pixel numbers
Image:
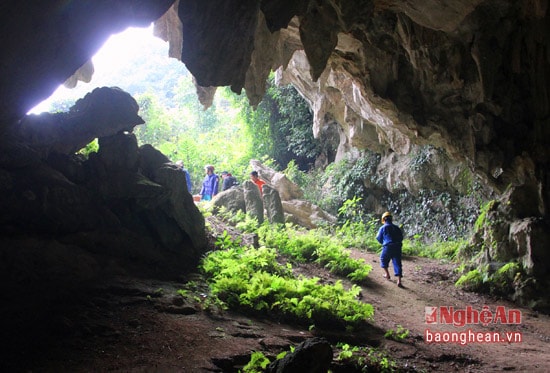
[
  {"x": 187, "y": 176},
  {"x": 391, "y": 238},
  {"x": 209, "y": 184}
]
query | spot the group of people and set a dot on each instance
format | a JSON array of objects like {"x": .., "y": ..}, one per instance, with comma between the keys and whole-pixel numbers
[
  {"x": 390, "y": 236},
  {"x": 210, "y": 184},
  {"x": 211, "y": 181}
]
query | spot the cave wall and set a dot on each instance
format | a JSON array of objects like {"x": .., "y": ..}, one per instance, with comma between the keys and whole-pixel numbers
[{"x": 468, "y": 77}]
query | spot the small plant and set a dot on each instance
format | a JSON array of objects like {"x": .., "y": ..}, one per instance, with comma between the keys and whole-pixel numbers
[
  {"x": 257, "y": 364},
  {"x": 472, "y": 281},
  {"x": 346, "y": 351},
  {"x": 92, "y": 147},
  {"x": 248, "y": 225},
  {"x": 364, "y": 359},
  {"x": 485, "y": 209},
  {"x": 399, "y": 334},
  {"x": 502, "y": 281},
  {"x": 225, "y": 241},
  {"x": 349, "y": 210},
  {"x": 384, "y": 362}
]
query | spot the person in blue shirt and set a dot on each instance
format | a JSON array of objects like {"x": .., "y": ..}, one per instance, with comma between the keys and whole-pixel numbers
[
  {"x": 391, "y": 238},
  {"x": 187, "y": 176},
  {"x": 210, "y": 184}
]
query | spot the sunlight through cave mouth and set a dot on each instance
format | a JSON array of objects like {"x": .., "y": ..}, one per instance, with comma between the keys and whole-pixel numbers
[{"x": 176, "y": 123}]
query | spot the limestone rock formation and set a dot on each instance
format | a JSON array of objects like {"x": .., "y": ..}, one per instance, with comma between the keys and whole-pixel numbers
[
  {"x": 286, "y": 188},
  {"x": 306, "y": 214},
  {"x": 101, "y": 113},
  {"x": 123, "y": 205},
  {"x": 313, "y": 355},
  {"x": 273, "y": 205},
  {"x": 296, "y": 209},
  {"x": 253, "y": 201},
  {"x": 232, "y": 199}
]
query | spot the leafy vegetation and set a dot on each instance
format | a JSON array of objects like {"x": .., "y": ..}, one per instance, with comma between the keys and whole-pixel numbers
[
  {"x": 500, "y": 282},
  {"x": 257, "y": 364},
  {"x": 281, "y": 126},
  {"x": 437, "y": 250},
  {"x": 473, "y": 280},
  {"x": 314, "y": 245},
  {"x": 399, "y": 334},
  {"x": 253, "y": 281},
  {"x": 366, "y": 359}
]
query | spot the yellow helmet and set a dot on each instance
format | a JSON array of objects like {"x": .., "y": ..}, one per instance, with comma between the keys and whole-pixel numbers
[{"x": 385, "y": 215}]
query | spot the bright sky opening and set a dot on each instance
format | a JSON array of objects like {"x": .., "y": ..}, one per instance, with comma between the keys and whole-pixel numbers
[{"x": 126, "y": 45}]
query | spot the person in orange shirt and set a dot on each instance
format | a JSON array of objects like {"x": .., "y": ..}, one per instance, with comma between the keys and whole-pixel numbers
[{"x": 256, "y": 180}]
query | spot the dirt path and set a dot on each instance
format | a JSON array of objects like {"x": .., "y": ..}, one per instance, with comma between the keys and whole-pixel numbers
[
  {"x": 140, "y": 325},
  {"x": 430, "y": 283}
]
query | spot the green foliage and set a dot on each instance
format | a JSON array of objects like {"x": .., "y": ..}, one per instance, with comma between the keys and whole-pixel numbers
[
  {"x": 482, "y": 218},
  {"x": 361, "y": 235},
  {"x": 286, "y": 126},
  {"x": 257, "y": 364},
  {"x": 157, "y": 129},
  {"x": 92, "y": 147},
  {"x": 437, "y": 250},
  {"x": 349, "y": 210},
  {"x": 314, "y": 245},
  {"x": 294, "y": 174},
  {"x": 339, "y": 182},
  {"x": 502, "y": 281},
  {"x": 399, "y": 334},
  {"x": 365, "y": 359},
  {"x": 252, "y": 280},
  {"x": 421, "y": 157},
  {"x": 183, "y": 292},
  {"x": 348, "y": 179},
  {"x": 184, "y": 130},
  {"x": 472, "y": 281},
  {"x": 225, "y": 241},
  {"x": 248, "y": 225}
]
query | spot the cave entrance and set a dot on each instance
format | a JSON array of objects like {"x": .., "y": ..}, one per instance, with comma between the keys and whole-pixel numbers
[
  {"x": 228, "y": 134},
  {"x": 175, "y": 122}
]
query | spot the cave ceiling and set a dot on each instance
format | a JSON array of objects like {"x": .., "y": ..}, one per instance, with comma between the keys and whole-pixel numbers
[{"x": 470, "y": 77}]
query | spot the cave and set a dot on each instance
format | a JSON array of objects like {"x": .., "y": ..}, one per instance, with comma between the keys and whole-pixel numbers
[{"x": 470, "y": 78}]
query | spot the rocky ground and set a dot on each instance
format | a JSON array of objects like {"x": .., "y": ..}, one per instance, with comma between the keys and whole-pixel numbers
[{"x": 129, "y": 324}]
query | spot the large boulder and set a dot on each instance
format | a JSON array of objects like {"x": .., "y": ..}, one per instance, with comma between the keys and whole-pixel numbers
[
  {"x": 314, "y": 355},
  {"x": 232, "y": 199},
  {"x": 253, "y": 201},
  {"x": 306, "y": 214},
  {"x": 286, "y": 188},
  {"x": 273, "y": 205},
  {"x": 101, "y": 113},
  {"x": 125, "y": 202}
]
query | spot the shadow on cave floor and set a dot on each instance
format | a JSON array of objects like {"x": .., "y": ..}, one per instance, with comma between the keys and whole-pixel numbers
[{"x": 130, "y": 324}]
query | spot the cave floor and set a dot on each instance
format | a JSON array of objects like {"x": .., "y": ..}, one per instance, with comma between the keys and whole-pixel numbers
[{"x": 143, "y": 325}]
